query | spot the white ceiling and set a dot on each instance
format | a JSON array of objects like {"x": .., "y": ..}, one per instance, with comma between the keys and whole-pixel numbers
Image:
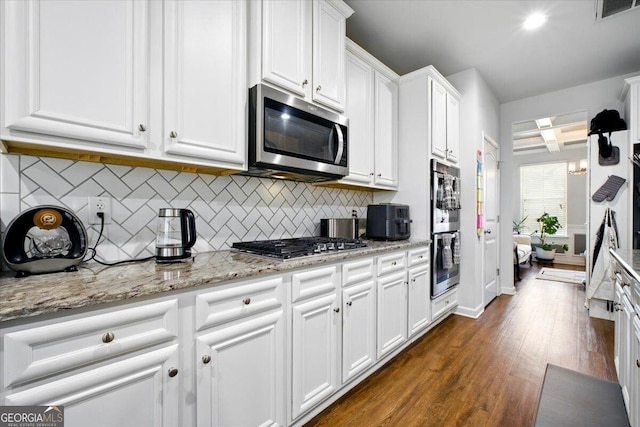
[{"x": 569, "y": 50}]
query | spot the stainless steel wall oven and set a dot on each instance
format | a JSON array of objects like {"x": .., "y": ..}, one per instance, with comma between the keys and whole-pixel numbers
[{"x": 445, "y": 226}]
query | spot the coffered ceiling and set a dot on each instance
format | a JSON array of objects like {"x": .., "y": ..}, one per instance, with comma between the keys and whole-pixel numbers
[
  {"x": 572, "y": 48},
  {"x": 550, "y": 134}
]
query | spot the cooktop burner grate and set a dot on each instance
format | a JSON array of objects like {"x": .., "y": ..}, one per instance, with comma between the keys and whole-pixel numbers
[{"x": 298, "y": 247}]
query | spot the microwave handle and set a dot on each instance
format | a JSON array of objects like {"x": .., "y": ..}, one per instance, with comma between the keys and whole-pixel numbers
[{"x": 340, "y": 144}]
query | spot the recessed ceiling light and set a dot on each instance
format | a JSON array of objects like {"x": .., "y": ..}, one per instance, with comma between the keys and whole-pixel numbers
[{"x": 535, "y": 20}]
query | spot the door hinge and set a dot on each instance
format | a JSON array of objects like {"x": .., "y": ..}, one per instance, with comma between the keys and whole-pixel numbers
[{"x": 497, "y": 271}]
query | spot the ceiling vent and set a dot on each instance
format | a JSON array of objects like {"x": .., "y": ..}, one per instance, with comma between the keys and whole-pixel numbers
[{"x": 607, "y": 8}]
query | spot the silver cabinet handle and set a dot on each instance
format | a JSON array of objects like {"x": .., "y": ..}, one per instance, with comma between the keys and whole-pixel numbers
[
  {"x": 371, "y": 174},
  {"x": 350, "y": 303},
  {"x": 337, "y": 309},
  {"x": 206, "y": 359},
  {"x": 173, "y": 134},
  {"x": 173, "y": 372},
  {"x": 305, "y": 82},
  {"x": 318, "y": 89},
  {"x": 142, "y": 128},
  {"x": 419, "y": 256},
  {"x": 638, "y": 363},
  {"x": 379, "y": 175},
  {"x": 393, "y": 263},
  {"x": 246, "y": 301},
  {"x": 487, "y": 231},
  {"x": 108, "y": 337}
]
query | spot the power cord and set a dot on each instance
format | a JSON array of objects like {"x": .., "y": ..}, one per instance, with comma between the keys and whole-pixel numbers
[{"x": 94, "y": 252}]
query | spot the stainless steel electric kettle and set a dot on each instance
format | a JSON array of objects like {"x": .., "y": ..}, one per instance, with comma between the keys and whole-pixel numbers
[{"x": 176, "y": 234}]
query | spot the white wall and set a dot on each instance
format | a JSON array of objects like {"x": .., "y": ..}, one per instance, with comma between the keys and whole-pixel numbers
[
  {"x": 591, "y": 97},
  {"x": 479, "y": 112}
]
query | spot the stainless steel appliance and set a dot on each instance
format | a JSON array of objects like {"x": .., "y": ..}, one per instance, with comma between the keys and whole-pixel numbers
[
  {"x": 446, "y": 262},
  {"x": 445, "y": 222},
  {"x": 388, "y": 221},
  {"x": 285, "y": 249},
  {"x": 445, "y": 197},
  {"x": 44, "y": 239},
  {"x": 346, "y": 228},
  {"x": 293, "y": 139},
  {"x": 176, "y": 234}
]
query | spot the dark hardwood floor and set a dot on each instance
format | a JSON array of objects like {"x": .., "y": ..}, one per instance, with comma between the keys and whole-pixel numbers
[{"x": 484, "y": 372}]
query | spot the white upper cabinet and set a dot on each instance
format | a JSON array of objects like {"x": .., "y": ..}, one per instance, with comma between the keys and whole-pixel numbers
[
  {"x": 444, "y": 118},
  {"x": 78, "y": 70},
  {"x": 301, "y": 48},
  {"x": 161, "y": 81},
  {"x": 359, "y": 109},
  {"x": 386, "y": 132},
  {"x": 328, "y": 55},
  {"x": 287, "y": 44},
  {"x": 205, "y": 85},
  {"x": 372, "y": 109}
]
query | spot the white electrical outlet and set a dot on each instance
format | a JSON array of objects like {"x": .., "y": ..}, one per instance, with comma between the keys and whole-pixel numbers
[{"x": 99, "y": 204}]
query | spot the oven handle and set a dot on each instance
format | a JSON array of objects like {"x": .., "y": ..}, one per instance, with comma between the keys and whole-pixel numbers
[{"x": 340, "y": 144}]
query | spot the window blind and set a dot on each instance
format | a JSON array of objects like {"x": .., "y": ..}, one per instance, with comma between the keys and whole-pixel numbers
[{"x": 543, "y": 188}]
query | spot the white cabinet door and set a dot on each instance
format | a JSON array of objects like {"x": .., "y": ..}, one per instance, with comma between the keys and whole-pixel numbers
[
  {"x": 240, "y": 377},
  {"x": 79, "y": 70},
  {"x": 419, "y": 299},
  {"x": 359, "y": 109},
  {"x": 386, "y": 131},
  {"x": 138, "y": 391},
  {"x": 626, "y": 327},
  {"x": 635, "y": 372},
  {"x": 358, "y": 329},
  {"x": 287, "y": 44},
  {"x": 453, "y": 128},
  {"x": 205, "y": 81},
  {"x": 392, "y": 312},
  {"x": 438, "y": 129},
  {"x": 329, "y": 30},
  {"x": 314, "y": 359},
  {"x": 617, "y": 327}
]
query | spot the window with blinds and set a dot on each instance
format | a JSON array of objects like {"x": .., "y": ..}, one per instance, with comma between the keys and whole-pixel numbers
[{"x": 543, "y": 188}]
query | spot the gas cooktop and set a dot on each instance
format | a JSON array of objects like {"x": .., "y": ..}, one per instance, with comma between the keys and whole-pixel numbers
[{"x": 298, "y": 247}]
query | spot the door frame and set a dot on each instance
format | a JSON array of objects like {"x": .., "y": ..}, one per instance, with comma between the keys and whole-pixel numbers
[{"x": 486, "y": 139}]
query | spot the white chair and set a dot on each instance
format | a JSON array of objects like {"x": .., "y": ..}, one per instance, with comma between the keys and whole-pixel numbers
[{"x": 521, "y": 252}]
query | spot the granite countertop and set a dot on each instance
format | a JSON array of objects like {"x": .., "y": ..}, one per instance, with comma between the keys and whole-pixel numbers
[
  {"x": 630, "y": 259},
  {"x": 95, "y": 284}
]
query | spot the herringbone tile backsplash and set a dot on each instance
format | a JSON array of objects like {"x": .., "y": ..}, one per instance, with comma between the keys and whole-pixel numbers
[{"x": 227, "y": 208}]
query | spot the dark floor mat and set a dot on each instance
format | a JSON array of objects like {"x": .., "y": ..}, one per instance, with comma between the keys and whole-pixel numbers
[{"x": 570, "y": 398}]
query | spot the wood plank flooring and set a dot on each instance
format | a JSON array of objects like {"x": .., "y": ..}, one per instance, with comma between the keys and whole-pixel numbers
[{"x": 484, "y": 372}]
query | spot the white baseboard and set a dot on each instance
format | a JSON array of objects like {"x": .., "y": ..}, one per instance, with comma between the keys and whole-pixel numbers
[{"x": 473, "y": 313}]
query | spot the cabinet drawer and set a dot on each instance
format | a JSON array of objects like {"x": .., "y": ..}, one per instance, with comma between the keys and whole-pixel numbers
[
  {"x": 40, "y": 351},
  {"x": 238, "y": 301},
  {"x": 312, "y": 283},
  {"x": 444, "y": 303},
  {"x": 357, "y": 272},
  {"x": 391, "y": 263},
  {"x": 418, "y": 256}
]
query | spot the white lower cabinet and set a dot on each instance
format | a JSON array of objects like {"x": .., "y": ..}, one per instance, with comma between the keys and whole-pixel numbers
[
  {"x": 358, "y": 318},
  {"x": 392, "y": 312},
  {"x": 419, "y": 299},
  {"x": 240, "y": 373},
  {"x": 315, "y": 329},
  {"x": 634, "y": 398},
  {"x": 444, "y": 303},
  {"x": 240, "y": 354},
  {"x": 111, "y": 367}
]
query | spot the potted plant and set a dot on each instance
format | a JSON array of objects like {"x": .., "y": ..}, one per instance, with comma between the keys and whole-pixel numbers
[
  {"x": 519, "y": 225},
  {"x": 549, "y": 225}
]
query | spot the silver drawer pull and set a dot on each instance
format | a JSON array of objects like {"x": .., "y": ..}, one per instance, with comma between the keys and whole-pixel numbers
[
  {"x": 173, "y": 372},
  {"x": 246, "y": 301},
  {"x": 206, "y": 359},
  {"x": 108, "y": 337},
  {"x": 393, "y": 263},
  {"x": 142, "y": 128},
  {"x": 305, "y": 83},
  {"x": 350, "y": 303},
  {"x": 337, "y": 309},
  {"x": 173, "y": 134},
  {"x": 318, "y": 89}
]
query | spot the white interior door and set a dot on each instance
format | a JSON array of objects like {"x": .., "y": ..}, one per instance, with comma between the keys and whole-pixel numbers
[{"x": 491, "y": 217}]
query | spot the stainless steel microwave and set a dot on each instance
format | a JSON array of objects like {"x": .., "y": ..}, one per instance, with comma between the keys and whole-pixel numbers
[{"x": 293, "y": 139}]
